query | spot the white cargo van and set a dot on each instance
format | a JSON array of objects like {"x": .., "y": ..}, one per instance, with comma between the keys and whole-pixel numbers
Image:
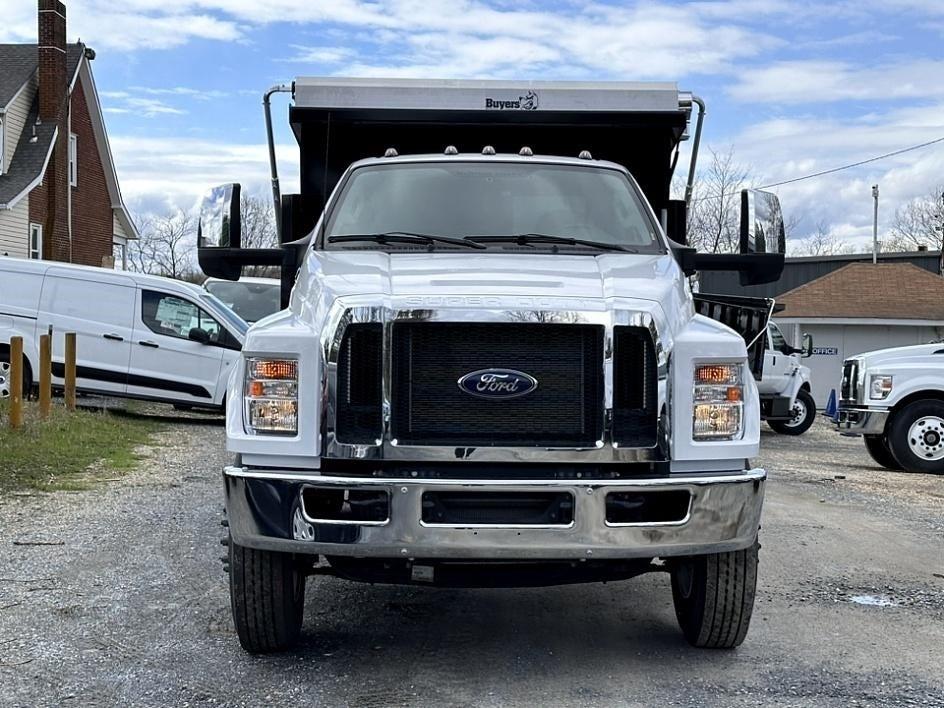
[
  {"x": 250, "y": 298},
  {"x": 137, "y": 336}
]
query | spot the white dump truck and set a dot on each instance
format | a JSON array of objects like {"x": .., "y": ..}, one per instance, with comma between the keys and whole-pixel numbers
[
  {"x": 894, "y": 399},
  {"x": 491, "y": 369}
]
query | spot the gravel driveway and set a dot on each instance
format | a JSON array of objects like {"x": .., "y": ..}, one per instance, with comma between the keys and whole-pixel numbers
[{"x": 129, "y": 606}]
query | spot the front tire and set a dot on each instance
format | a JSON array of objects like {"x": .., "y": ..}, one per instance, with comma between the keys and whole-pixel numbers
[
  {"x": 916, "y": 436},
  {"x": 714, "y": 597},
  {"x": 804, "y": 415},
  {"x": 267, "y": 594},
  {"x": 877, "y": 446}
]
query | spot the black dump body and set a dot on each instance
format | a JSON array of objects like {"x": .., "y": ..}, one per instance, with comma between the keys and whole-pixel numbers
[{"x": 340, "y": 121}]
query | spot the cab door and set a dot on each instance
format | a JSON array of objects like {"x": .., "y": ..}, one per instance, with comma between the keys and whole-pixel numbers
[
  {"x": 778, "y": 363},
  {"x": 100, "y": 311},
  {"x": 166, "y": 362}
]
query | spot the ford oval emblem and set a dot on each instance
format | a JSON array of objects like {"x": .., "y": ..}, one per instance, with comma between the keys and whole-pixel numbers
[{"x": 498, "y": 383}]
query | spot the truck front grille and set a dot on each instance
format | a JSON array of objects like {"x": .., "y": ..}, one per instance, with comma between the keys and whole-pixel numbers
[
  {"x": 635, "y": 388},
  {"x": 359, "y": 411},
  {"x": 848, "y": 390},
  {"x": 429, "y": 408}
]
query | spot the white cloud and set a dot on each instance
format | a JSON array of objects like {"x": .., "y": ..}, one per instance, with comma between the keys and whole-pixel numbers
[
  {"x": 160, "y": 173},
  {"x": 783, "y": 149},
  {"x": 818, "y": 81}
]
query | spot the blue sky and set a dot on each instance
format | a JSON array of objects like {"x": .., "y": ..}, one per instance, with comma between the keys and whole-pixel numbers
[{"x": 792, "y": 86}]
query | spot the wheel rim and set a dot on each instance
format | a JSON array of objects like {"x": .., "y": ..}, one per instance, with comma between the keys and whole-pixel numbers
[
  {"x": 4, "y": 379},
  {"x": 799, "y": 414},
  {"x": 926, "y": 438}
]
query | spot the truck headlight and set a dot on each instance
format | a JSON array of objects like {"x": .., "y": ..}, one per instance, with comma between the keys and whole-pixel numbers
[
  {"x": 718, "y": 402},
  {"x": 271, "y": 396},
  {"x": 880, "y": 385}
]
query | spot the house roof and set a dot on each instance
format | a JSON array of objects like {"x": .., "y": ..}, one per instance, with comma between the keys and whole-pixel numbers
[
  {"x": 29, "y": 159},
  {"x": 888, "y": 291},
  {"x": 20, "y": 62}
]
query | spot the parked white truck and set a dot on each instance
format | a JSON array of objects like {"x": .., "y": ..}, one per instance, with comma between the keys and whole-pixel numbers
[
  {"x": 491, "y": 369},
  {"x": 786, "y": 402},
  {"x": 894, "y": 399}
]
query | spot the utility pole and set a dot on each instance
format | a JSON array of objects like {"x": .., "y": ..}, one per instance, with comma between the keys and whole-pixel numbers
[{"x": 875, "y": 225}]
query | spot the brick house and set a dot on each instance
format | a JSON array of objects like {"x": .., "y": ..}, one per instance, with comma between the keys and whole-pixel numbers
[{"x": 59, "y": 195}]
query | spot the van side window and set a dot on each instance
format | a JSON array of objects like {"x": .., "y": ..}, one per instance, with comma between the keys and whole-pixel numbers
[{"x": 172, "y": 316}]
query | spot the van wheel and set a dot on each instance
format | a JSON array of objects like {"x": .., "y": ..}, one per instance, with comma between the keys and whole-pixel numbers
[
  {"x": 714, "y": 597},
  {"x": 5, "y": 371},
  {"x": 804, "y": 414},
  {"x": 267, "y": 594},
  {"x": 916, "y": 436},
  {"x": 877, "y": 445}
]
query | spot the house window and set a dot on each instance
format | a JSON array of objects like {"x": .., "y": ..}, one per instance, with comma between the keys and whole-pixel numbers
[
  {"x": 73, "y": 161},
  {"x": 36, "y": 241}
]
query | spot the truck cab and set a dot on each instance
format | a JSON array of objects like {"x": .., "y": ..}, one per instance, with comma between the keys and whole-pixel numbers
[
  {"x": 894, "y": 400},
  {"x": 491, "y": 369},
  {"x": 785, "y": 398}
]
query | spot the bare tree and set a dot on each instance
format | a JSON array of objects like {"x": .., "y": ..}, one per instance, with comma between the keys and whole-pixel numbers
[
  {"x": 822, "y": 242},
  {"x": 919, "y": 222},
  {"x": 166, "y": 246},
  {"x": 714, "y": 212}
]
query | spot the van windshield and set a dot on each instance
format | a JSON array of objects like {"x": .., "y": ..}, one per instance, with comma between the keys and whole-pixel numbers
[{"x": 492, "y": 199}]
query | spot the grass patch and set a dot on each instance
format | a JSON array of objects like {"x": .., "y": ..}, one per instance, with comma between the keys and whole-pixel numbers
[{"x": 62, "y": 452}]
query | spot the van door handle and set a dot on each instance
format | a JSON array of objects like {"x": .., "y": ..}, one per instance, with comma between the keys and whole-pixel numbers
[
  {"x": 114, "y": 337},
  {"x": 152, "y": 345}
]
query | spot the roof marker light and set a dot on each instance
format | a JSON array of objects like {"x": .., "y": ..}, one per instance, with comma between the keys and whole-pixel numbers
[
  {"x": 526, "y": 151},
  {"x": 391, "y": 152},
  {"x": 585, "y": 155},
  {"x": 488, "y": 150},
  {"x": 451, "y": 150}
]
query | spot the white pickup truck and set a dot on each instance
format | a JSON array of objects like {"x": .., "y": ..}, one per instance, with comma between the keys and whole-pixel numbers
[
  {"x": 491, "y": 369},
  {"x": 894, "y": 399}
]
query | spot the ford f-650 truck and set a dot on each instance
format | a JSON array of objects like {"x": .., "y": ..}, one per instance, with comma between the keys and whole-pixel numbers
[{"x": 491, "y": 369}]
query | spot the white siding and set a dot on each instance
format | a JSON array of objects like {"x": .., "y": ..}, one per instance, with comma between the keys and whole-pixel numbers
[
  {"x": 117, "y": 229},
  {"x": 15, "y": 121},
  {"x": 14, "y": 230}
]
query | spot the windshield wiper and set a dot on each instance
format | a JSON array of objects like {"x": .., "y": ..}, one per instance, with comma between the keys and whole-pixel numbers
[
  {"x": 404, "y": 237},
  {"x": 525, "y": 239}
]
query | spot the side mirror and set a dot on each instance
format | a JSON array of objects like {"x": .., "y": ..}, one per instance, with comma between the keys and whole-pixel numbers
[
  {"x": 762, "y": 229},
  {"x": 807, "y": 350},
  {"x": 198, "y": 335},
  {"x": 218, "y": 231}
]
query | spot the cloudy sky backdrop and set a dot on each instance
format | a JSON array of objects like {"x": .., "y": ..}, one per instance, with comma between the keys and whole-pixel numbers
[{"x": 793, "y": 86}]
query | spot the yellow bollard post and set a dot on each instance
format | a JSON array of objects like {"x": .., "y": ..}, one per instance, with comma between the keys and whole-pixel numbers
[
  {"x": 45, "y": 376},
  {"x": 16, "y": 382},
  {"x": 70, "y": 371}
]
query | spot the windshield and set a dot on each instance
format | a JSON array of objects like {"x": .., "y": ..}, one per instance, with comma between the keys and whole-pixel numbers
[
  {"x": 251, "y": 301},
  {"x": 226, "y": 313},
  {"x": 468, "y": 199}
]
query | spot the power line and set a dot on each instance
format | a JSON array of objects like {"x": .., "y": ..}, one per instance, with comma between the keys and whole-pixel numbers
[
  {"x": 855, "y": 164},
  {"x": 832, "y": 170}
]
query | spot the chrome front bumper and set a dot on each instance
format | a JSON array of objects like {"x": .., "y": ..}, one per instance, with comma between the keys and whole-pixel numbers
[
  {"x": 861, "y": 421},
  {"x": 265, "y": 511}
]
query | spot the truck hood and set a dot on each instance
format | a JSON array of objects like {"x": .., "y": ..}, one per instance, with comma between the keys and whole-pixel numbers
[
  {"x": 539, "y": 281},
  {"x": 920, "y": 354}
]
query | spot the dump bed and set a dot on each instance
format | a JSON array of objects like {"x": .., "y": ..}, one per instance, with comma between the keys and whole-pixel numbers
[{"x": 338, "y": 121}]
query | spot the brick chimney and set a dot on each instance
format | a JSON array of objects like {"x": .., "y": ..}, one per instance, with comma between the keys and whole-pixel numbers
[
  {"x": 52, "y": 60},
  {"x": 54, "y": 109}
]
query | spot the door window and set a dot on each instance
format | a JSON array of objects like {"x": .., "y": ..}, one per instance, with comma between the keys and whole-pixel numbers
[
  {"x": 173, "y": 316},
  {"x": 777, "y": 341}
]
